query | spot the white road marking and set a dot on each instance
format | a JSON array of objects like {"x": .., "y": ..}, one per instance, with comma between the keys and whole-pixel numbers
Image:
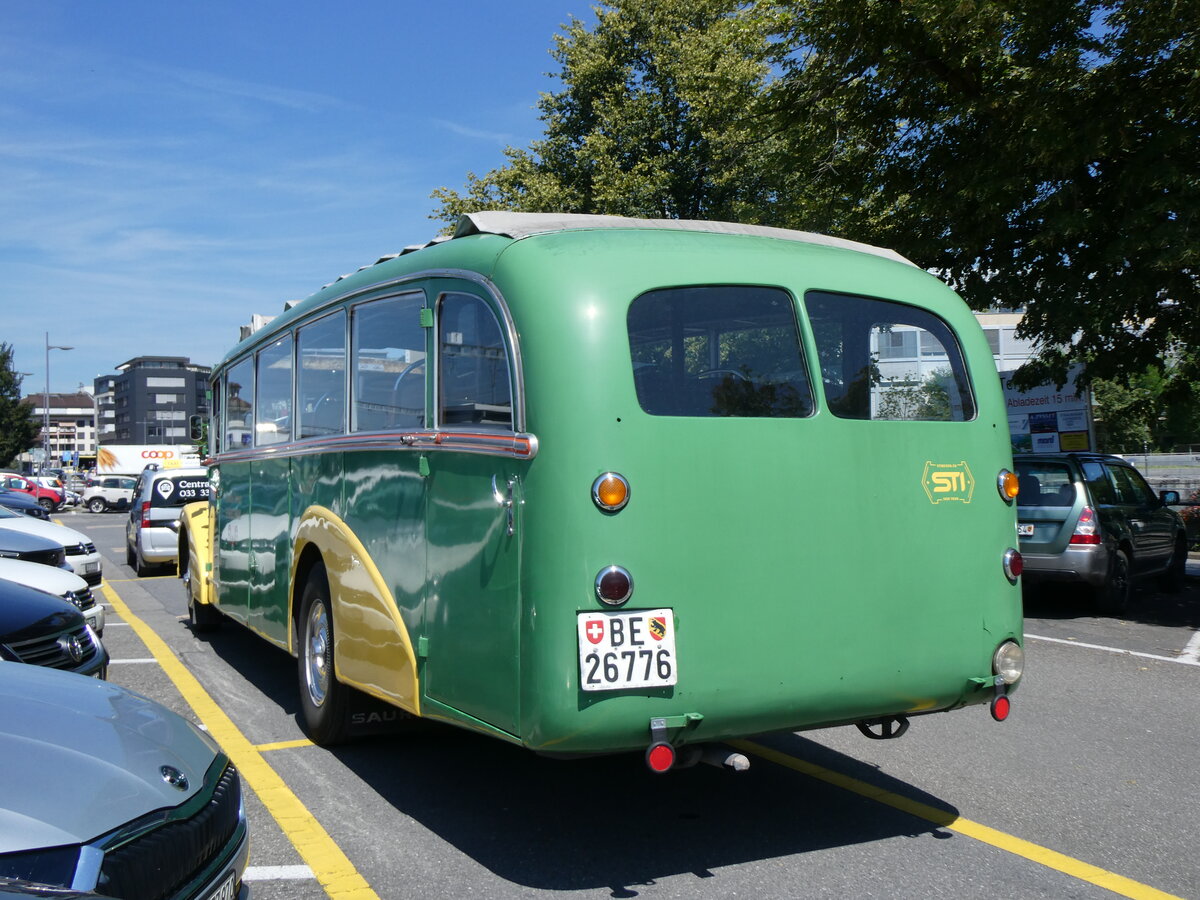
[
  {"x": 277, "y": 873},
  {"x": 136, "y": 662},
  {"x": 1185, "y": 658},
  {"x": 1191, "y": 652}
]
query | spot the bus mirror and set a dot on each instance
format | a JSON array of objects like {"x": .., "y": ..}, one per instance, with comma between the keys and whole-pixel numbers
[{"x": 197, "y": 427}]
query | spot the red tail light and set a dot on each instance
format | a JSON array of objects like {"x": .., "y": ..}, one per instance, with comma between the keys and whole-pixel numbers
[
  {"x": 145, "y": 513},
  {"x": 1087, "y": 529}
]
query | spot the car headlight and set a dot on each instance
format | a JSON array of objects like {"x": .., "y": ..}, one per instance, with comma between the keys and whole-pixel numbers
[{"x": 55, "y": 866}]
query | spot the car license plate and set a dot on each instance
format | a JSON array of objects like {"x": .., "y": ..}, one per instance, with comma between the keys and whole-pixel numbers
[
  {"x": 634, "y": 649},
  {"x": 89, "y": 568},
  {"x": 1025, "y": 529},
  {"x": 225, "y": 891}
]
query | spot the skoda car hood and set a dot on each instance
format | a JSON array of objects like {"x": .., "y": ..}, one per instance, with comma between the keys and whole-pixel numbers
[
  {"x": 82, "y": 757},
  {"x": 68, "y": 537}
]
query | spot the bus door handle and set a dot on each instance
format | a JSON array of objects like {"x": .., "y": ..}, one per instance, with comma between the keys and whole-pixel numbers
[{"x": 505, "y": 500}]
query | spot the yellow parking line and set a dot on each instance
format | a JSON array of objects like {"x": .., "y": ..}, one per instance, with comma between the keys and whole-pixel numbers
[
  {"x": 1052, "y": 859},
  {"x": 284, "y": 745},
  {"x": 329, "y": 864}
]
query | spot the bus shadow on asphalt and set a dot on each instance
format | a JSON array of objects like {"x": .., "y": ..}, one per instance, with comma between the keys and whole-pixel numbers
[
  {"x": 1148, "y": 605},
  {"x": 607, "y": 822},
  {"x": 598, "y": 822}
]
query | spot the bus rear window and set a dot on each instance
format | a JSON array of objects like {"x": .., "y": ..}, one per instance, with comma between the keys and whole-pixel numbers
[
  {"x": 884, "y": 360},
  {"x": 718, "y": 351}
]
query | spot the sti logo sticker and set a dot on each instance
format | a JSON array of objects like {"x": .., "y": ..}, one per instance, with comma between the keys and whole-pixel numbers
[{"x": 948, "y": 481}]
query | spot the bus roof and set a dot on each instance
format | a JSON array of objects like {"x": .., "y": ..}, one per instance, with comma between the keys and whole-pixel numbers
[{"x": 518, "y": 225}]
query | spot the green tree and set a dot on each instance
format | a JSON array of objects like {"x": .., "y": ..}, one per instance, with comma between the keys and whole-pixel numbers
[
  {"x": 18, "y": 430},
  {"x": 652, "y": 121},
  {"x": 1038, "y": 155}
]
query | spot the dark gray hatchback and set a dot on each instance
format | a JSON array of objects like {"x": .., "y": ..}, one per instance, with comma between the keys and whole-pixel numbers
[{"x": 1092, "y": 519}]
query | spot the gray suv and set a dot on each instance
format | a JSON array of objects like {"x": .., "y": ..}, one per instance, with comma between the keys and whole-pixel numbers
[
  {"x": 151, "y": 535},
  {"x": 1092, "y": 519}
]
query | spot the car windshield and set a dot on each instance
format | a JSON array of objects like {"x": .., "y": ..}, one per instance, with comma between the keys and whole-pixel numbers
[
  {"x": 6, "y": 513},
  {"x": 1045, "y": 483}
]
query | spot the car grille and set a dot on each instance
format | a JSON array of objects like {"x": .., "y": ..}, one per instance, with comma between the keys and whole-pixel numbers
[
  {"x": 54, "y": 650},
  {"x": 82, "y": 599},
  {"x": 44, "y": 557},
  {"x": 158, "y": 863},
  {"x": 80, "y": 549}
]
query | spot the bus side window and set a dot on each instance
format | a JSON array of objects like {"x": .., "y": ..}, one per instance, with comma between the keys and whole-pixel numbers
[
  {"x": 321, "y": 377},
  {"x": 239, "y": 405},
  {"x": 474, "y": 381},
  {"x": 273, "y": 393},
  {"x": 388, "y": 349}
]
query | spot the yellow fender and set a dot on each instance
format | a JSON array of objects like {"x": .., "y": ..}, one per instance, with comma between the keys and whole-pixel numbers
[
  {"x": 196, "y": 550},
  {"x": 372, "y": 648}
]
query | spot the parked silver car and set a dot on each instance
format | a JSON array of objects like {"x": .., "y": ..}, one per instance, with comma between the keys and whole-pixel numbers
[
  {"x": 151, "y": 536},
  {"x": 1090, "y": 518},
  {"x": 103, "y": 790}
]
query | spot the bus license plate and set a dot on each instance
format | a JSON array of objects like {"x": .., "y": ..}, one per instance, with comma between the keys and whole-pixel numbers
[
  {"x": 1025, "y": 530},
  {"x": 619, "y": 650}
]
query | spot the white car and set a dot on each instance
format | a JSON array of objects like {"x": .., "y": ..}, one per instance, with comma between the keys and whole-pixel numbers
[
  {"x": 82, "y": 555},
  {"x": 59, "y": 582}
]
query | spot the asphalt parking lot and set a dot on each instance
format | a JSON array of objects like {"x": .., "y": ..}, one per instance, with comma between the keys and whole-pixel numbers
[{"x": 1086, "y": 791}]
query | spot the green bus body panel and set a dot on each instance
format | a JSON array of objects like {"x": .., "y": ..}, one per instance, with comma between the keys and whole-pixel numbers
[{"x": 812, "y": 577}]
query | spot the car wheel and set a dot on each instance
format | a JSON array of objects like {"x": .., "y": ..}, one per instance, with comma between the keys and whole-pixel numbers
[
  {"x": 1174, "y": 578},
  {"x": 140, "y": 566},
  {"x": 130, "y": 557},
  {"x": 1114, "y": 595},
  {"x": 323, "y": 699},
  {"x": 47, "y": 504},
  {"x": 97, "y": 505}
]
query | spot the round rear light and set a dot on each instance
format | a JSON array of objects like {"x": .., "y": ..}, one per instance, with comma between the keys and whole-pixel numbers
[
  {"x": 1008, "y": 485},
  {"x": 610, "y": 492},
  {"x": 660, "y": 757},
  {"x": 614, "y": 586},
  {"x": 1001, "y": 707},
  {"x": 1014, "y": 565}
]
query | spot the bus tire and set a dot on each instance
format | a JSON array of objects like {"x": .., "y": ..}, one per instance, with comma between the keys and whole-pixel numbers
[
  {"x": 202, "y": 617},
  {"x": 324, "y": 701}
]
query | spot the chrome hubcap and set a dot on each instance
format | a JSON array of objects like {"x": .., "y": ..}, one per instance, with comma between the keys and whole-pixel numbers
[{"x": 316, "y": 653}]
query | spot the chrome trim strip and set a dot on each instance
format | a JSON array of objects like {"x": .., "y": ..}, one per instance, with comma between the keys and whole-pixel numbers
[{"x": 516, "y": 445}]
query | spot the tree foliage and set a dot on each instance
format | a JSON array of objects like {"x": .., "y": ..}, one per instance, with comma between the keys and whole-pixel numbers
[
  {"x": 652, "y": 121},
  {"x": 18, "y": 430},
  {"x": 1042, "y": 156},
  {"x": 1037, "y": 155}
]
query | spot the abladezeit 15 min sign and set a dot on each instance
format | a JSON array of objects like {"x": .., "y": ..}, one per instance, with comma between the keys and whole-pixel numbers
[{"x": 1047, "y": 419}]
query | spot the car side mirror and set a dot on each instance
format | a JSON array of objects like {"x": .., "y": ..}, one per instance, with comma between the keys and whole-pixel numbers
[{"x": 1169, "y": 498}]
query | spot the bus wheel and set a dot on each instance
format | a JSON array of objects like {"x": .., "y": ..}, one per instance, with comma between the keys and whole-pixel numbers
[
  {"x": 323, "y": 698},
  {"x": 201, "y": 616}
]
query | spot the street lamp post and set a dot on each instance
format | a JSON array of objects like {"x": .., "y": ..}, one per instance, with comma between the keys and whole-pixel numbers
[{"x": 46, "y": 405}]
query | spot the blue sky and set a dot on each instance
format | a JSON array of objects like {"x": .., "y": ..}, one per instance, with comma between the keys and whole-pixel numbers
[{"x": 168, "y": 169}]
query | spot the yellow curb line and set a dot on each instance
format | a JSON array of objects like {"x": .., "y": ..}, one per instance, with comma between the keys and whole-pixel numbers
[
  {"x": 329, "y": 864},
  {"x": 1052, "y": 859}
]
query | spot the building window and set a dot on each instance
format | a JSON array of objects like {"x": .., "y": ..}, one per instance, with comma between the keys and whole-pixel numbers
[{"x": 166, "y": 382}]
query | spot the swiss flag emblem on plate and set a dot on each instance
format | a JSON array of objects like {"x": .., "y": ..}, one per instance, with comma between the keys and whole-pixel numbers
[{"x": 594, "y": 630}]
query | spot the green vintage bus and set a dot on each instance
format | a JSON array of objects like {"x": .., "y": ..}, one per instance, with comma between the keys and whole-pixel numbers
[{"x": 592, "y": 484}]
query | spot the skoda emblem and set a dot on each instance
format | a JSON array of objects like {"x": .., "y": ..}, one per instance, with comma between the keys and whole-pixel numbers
[
  {"x": 174, "y": 777},
  {"x": 69, "y": 644}
]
